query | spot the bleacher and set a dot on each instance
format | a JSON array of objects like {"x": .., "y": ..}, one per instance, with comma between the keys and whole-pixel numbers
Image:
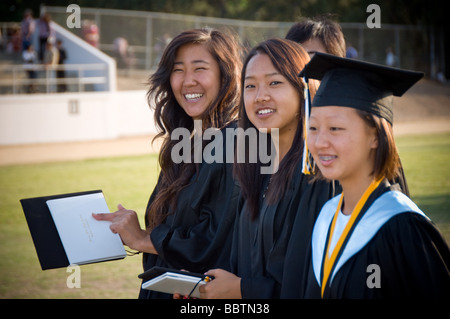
[{"x": 87, "y": 69}]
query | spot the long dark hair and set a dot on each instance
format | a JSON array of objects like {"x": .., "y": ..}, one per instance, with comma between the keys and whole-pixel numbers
[
  {"x": 169, "y": 115},
  {"x": 289, "y": 58}
]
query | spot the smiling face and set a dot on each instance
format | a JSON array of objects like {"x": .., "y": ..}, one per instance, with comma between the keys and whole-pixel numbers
[
  {"x": 270, "y": 99},
  {"x": 342, "y": 144},
  {"x": 195, "y": 79}
]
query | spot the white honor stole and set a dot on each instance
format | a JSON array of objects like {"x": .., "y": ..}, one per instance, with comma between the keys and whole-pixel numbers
[{"x": 382, "y": 209}]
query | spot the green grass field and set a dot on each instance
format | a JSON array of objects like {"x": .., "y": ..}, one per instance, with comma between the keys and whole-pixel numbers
[{"x": 129, "y": 181}]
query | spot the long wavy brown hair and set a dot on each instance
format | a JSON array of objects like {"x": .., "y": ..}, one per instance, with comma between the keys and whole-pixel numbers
[
  {"x": 289, "y": 58},
  {"x": 169, "y": 115}
]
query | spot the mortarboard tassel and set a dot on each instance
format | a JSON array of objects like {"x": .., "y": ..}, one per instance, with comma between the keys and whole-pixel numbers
[{"x": 308, "y": 165}]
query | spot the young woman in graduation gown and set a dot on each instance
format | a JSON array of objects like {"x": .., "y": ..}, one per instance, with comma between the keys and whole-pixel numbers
[
  {"x": 371, "y": 241},
  {"x": 191, "y": 212},
  {"x": 323, "y": 35},
  {"x": 272, "y": 98}
]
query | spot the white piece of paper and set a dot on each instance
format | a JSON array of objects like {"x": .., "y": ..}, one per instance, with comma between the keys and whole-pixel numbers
[{"x": 85, "y": 239}]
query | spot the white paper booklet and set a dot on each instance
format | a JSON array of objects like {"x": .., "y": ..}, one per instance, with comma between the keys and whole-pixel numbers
[
  {"x": 85, "y": 239},
  {"x": 171, "y": 283}
]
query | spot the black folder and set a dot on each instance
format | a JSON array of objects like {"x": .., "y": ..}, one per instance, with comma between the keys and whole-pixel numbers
[{"x": 47, "y": 242}]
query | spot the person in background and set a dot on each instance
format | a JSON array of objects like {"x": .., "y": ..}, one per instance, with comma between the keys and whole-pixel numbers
[
  {"x": 14, "y": 42},
  {"x": 161, "y": 44},
  {"x": 91, "y": 32},
  {"x": 61, "y": 73},
  {"x": 29, "y": 57},
  {"x": 351, "y": 52},
  {"x": 46, "y": 34},
  {"x": 391, "y": 59},
  {"x": 51, "y": 57},
  {"x": 51, "y": 54},
  {"x": 320, "y": 34},
  {"x": 27, "y": 27},
  {"x": 121, "y": 53}
]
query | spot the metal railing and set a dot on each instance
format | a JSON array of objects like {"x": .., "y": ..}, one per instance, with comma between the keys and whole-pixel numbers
[{"x": 46, "y": 76}]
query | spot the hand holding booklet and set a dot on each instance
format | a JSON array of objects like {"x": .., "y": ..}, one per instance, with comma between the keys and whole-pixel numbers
[
  {"x": 173, "y": 281},
  {"x": 64, "y": 231}
]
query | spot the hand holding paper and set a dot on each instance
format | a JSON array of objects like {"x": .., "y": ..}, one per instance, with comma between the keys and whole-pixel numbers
[
  {"x": 125, "y": 223},
  {"x": 64, "y": 231},
  {"x": 84, "y": 239}
]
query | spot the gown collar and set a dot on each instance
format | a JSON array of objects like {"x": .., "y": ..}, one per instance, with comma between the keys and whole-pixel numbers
[{"x": 386, "y": 206}]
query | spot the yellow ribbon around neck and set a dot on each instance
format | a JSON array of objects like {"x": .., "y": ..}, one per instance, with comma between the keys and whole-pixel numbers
[{"x": 331, "y": 260}]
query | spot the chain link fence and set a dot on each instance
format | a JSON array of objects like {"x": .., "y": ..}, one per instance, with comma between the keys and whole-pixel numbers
[{"x": 136, "y": 39}]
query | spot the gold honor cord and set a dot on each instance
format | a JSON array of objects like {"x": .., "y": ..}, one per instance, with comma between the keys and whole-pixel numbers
[{"x": 330, "y": 261}]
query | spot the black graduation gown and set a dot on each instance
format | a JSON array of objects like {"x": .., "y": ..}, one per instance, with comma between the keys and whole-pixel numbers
[
  {"x": 197, "y": 236},
  {"x": 259, "y": 245},
  {"x": 298, "y": 253},
  {"x": 407, "y": 255}
]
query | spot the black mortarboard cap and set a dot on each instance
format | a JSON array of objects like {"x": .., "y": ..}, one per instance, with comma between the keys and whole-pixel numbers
[{"x": 358, "y": 84}]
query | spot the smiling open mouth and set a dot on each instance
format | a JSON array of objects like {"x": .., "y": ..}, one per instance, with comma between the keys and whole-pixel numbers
[
  {"x": 327, "y": 158},
  {"x": 265, "y": 111},
  {"x": 193, "y": 96}
]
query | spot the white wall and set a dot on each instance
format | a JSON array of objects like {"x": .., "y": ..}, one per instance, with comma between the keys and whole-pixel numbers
[{"x": 47, "y": 118}]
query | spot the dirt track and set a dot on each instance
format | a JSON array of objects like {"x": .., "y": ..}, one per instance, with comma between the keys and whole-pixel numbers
[{"x": 424, "y": 109}]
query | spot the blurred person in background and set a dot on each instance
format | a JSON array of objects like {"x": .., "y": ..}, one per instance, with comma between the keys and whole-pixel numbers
[
  {"x": 27, "y": 28},
  {"x": 29, "y": 57},
  {"x": 61, "y": 73},
  {"x": 320, "y": 34},
  {"x": 45, "y": 32}
]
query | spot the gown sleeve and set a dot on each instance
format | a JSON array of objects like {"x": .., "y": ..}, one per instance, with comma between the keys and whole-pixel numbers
[
  {"x": 415, "y": 258},
  {"x": 247, "y": 253},
  {"x": 307, "y": 201},
  {"x": 198, "y": 232},
  {"x": 258, "y": 288}
]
